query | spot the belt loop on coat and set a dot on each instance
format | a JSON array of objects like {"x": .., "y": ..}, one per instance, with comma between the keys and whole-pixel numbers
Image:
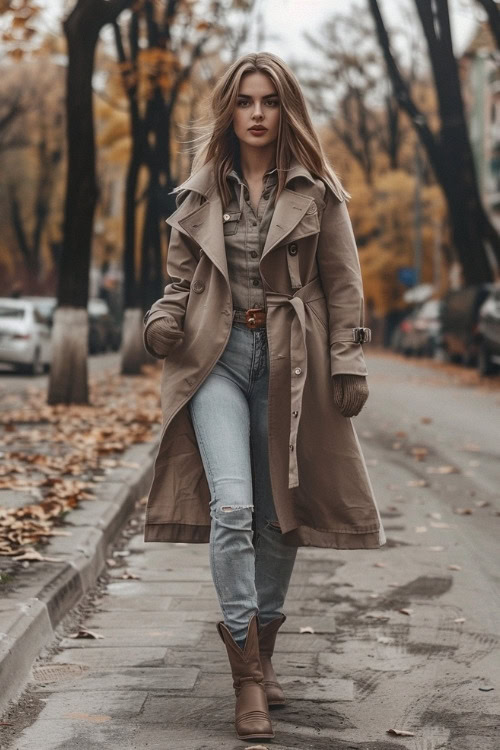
[{"x": 298, "y": 360}]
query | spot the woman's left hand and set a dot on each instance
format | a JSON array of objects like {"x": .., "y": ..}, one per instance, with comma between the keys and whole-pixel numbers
[{"x": 350, "y": 393}]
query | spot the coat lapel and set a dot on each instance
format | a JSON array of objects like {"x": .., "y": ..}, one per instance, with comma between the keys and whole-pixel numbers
[
  {"x": 289, "y": 210},
  {"x": 204, "y": 223}
]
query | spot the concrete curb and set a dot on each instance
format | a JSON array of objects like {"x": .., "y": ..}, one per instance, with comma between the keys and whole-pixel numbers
[{"x": 48, "y": 591}]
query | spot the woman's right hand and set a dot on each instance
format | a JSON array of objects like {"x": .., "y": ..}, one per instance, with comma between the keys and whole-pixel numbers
[{"x": 161, "y": 337}]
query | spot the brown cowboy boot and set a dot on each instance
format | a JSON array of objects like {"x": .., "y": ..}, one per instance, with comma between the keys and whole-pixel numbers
[
  {"x": 252, "y": 720},
  {"x": 267, "y": 638}
]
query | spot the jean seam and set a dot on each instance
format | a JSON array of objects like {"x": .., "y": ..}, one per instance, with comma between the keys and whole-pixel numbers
[{"x": 203, "y": 448}]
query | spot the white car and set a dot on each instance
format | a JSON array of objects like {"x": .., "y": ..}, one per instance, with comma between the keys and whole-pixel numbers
[{"x": 25, "y": 332}]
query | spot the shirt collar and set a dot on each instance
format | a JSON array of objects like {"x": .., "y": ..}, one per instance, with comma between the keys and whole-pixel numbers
[{"x": 271, "y": 175}]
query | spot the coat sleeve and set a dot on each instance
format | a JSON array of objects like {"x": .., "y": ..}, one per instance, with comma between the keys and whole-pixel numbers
[
  {"x": 182, "y": 259},
  {"x": 340, "y": 275}
]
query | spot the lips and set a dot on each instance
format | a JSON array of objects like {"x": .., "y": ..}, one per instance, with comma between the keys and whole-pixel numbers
[{"x": 257, "y": 130}]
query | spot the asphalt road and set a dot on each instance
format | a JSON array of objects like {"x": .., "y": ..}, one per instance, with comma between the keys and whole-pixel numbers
[{"x": 405, "y": 637}]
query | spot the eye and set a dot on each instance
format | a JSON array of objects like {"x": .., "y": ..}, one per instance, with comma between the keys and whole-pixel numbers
[
  {"x": 242, "y": 102},
  {"x": 273, "y": 102}
]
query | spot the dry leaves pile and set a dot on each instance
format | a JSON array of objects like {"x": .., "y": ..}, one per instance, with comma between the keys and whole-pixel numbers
[{"x": 58, "y": 454}]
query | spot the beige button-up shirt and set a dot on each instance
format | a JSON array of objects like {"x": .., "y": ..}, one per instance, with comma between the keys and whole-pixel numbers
[{"x": 245, "y": 233}]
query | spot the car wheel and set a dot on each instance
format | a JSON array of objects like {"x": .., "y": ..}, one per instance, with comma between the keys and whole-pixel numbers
[{"x": 484, "y": 364}]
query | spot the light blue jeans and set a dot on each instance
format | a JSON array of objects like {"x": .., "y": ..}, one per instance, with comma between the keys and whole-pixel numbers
[{"x": 250, "y": 564}]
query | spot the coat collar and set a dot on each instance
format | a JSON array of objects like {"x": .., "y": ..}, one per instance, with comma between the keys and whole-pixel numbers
[
  {"x": 204, "y": 223},
  {"x": 203, "y": 180}
]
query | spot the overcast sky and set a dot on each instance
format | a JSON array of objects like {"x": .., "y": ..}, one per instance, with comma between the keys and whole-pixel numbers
[{"x": 289, "y": 18}]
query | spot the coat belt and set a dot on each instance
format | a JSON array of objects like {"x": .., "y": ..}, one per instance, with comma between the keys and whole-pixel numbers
[{"x": 298, "y": 358}]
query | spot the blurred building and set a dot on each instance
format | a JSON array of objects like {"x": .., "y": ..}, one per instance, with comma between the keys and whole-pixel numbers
[{"x": 480, "y": 69}]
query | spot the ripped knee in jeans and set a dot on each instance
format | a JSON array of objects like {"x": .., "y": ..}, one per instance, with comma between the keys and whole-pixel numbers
[{"x": 233, "y": 508}]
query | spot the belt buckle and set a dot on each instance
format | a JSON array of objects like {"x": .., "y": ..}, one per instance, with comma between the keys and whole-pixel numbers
[{"x": 252, "y": 318}]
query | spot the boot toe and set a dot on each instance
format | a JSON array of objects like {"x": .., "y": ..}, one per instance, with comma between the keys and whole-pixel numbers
[{"x": 254, "y": 725}]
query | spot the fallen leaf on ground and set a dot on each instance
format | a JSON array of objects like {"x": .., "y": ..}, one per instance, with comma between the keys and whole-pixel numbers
[
  {"x": 442, "y": 470},
  {"x": 405, "y": 611},
  {"x": 417, "y": 483},
  {"x": 463, "y": 511},
  {"x": 85, "y": 633},
  {"x": 440, "y": 525},
  {"x": 435, "y": 516},
  {"x": 419, "y": 452},
  {"x": 459, "y": 619},
  {"x": 436, "y": 548},
  {"x": 306, "y": 629},
  {"x": 481, "y": 503},
  {"x": 379, "y": 565},
  {"x": 401, "y": 732},
  {"x": 454, "y": 567},
  {"x": 426, "y": 420},
  {"x": 486, "y": 689},
  {"x": 128, "y": 575},
  {"x": 473, "y": 447}
]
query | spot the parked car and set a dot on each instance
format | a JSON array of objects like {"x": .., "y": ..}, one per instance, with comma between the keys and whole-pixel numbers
[
  {"x": 460, "y": 335},
  {"x": 402, "y": 334},
  {"x": 426, "y": 334},
  {"x": 25, "y": 331},
  {"x": 104, "y": 334},
  {"x": 419, "y": 332},
  {"x": 488, "y": 360}
]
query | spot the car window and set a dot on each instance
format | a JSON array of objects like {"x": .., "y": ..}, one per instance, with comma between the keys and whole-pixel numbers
[
  {"x": 12, "y": 312},
  {"x": 41, "y": 316}
]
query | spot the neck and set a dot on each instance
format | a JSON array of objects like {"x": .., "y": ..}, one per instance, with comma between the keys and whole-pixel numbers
[{"x": 255, "y": 161}]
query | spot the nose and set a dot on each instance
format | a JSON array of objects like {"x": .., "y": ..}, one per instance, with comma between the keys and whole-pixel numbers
[{"x": 257, "y": 113}]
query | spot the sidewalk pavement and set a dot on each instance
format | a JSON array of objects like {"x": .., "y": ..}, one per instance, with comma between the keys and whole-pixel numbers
[
  {"x": 403, "y": 638},
  {"x": 53, "y": 459}
]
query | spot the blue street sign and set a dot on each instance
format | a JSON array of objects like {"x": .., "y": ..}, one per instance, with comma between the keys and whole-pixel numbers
[{"x": 407, "y": 276}]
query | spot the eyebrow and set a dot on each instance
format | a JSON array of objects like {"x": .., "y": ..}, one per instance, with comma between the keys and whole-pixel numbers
[{"x": 247, "y": 96}]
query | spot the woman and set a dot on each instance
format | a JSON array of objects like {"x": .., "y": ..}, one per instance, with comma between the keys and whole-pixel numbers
[{"x": 261, "y": 331}]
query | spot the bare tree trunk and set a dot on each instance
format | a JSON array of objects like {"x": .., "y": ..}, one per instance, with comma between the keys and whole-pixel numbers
[
  {"x": 450, "y": 154},
  {"x": 69, "y": 344},
  {"x": 68, "y": 376}
]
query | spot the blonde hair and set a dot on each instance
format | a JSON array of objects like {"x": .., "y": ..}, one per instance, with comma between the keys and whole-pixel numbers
[{"x": 296, "y": 134}]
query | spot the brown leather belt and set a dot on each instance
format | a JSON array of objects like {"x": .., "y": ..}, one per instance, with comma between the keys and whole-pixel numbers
[{"x": 254, "y": 317}]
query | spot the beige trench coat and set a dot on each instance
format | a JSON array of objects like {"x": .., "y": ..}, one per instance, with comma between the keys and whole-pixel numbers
[{"x": 314, "y": 296}]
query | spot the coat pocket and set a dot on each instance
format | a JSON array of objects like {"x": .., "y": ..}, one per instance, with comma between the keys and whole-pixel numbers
[{"x": 319, "y": 310}]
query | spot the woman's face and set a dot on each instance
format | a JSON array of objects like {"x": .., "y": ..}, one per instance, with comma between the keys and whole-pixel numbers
[{"x": 257, "y": 106}]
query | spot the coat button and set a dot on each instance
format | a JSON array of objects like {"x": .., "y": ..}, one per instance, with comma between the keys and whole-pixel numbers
[
  {"x": 295, "y": 413},
  {"x": 298, "y": 370},
  {"x": 255, "y": 282},
  {"x": 226, "y": 217},
  {"x": 198, "y": 286},
  {"x": 292, "y": 248},
  {"x": 254, "y": 253},
  {"x": 291, "y": 447}
]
